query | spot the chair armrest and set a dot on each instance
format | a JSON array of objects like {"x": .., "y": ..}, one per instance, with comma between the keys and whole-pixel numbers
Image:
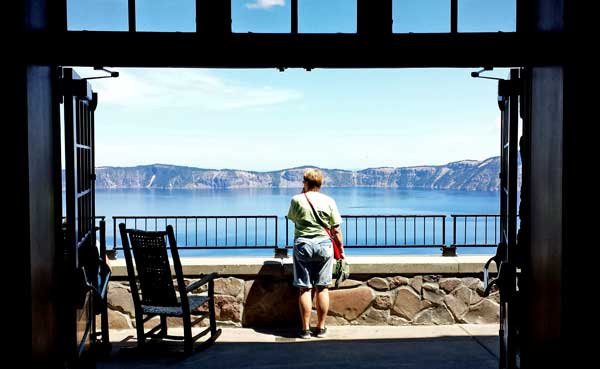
[
  {"x": 201, "y": 282},
  {"x": 104, "y": 288}
]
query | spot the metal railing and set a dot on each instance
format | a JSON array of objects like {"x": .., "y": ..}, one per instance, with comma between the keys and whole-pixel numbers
[
  {"x": 388, "y": 231},
  {"x": 475, "y": 230},
  {"x": 208, "y": 232},
  {"x": 360, "y": 231}
]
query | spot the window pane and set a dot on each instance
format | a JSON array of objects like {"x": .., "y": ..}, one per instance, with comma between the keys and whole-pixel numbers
[
  {"x": 165, "y": 16},
  {"x": 487, "y": 16},
  {"x": 94, "y": 15},
  {"x": 261, "y": 16},
  {"x": 332, "y": 16},
  {"x": 421, "y": 16}
]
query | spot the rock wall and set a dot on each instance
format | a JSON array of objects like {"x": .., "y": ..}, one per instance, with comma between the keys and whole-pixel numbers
[{"x": 397, "y": 300}]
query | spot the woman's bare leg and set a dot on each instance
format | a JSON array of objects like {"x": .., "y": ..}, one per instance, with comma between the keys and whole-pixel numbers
[
  {"x": 305, "y": 302},
  {"x": 322, "y": 302}
]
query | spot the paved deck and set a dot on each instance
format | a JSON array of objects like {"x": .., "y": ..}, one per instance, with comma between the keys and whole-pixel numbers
[{"x": 439, "y": 347}]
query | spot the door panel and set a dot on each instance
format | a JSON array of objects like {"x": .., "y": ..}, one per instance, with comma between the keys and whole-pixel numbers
[
  {"x": 80, "y": 252},
  {"x": 509, "y": 92}
]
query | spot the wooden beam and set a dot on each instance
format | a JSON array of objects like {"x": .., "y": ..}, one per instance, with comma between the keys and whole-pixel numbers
[
  {"x": 294, "y": 16},
  {"x": 453, "y": 16},
  {"x": 154, "y": 49},
  {"x": 374, "y": 17},
  {"x": 213, "y": 17},
  {"x": 131, "y": 15}
]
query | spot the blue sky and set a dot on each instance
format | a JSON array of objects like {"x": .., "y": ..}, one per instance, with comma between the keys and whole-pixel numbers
[{"x": 266, "y": 119}]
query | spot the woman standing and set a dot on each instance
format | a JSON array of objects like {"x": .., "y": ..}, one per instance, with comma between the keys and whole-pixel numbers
[{"x": 311, "y": 211}]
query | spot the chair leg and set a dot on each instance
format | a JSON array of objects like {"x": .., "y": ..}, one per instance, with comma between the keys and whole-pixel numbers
[
  {"x": 163, "y": 325},
  {"x": 187, "y": 335},
  {"x": 106, "y": 346},
  {"x": 212, "y": 316},
  {"x": 211, "y": 308},
  {"x": 139, "y": 326}
]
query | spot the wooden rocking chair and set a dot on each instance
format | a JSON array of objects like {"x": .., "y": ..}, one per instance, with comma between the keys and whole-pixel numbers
[{"x": 158, "y": 297}]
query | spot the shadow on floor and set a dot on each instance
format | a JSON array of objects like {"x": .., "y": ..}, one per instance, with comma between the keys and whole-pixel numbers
[{"x": 439, "y": 353}]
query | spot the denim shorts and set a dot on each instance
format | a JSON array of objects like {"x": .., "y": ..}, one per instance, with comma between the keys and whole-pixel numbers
[{"x": 313, "y": 262}]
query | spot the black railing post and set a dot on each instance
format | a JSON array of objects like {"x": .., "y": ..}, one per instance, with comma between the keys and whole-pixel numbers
[
  {"x": 486, "y": 229},
  {"x": 415, "y": 229},
  {"x": 450, "y": 250},
  {"x": 465, "y": 218},
  {"x": 355, "y": 230},
  {"x": 112, "y": 254},
  {"x": 475, "y": 231},
  {"x": 102, "y": 238},
  {"x": 385, "y": 219},
  {"x": 454, "y": 229},
  {"x": 276, "y": 233},
  {"x": 375, "y": 231},
  {"x": 444, "y": 230},
  {"x": 424, "y": 230},
  {"x": 433, "y": 220},
  {"x": 281, "y": 252}
]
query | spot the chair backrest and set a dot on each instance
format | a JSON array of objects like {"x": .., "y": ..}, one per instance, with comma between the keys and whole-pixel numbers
[{"x": 152, "y": 264}]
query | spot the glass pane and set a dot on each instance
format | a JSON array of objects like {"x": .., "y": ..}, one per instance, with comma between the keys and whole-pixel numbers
[
  {"x": 487, "y": 16},
  {"x": 333, "y": 16},
  {"x": 421, "y": 16},
  {"x": 94, "y": 15},
  {"x": 166, "y": 16},
  {"x": 261, "y": 16}
]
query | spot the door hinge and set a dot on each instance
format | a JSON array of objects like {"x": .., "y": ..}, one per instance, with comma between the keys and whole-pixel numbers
[{"x": 510, "y": 87}]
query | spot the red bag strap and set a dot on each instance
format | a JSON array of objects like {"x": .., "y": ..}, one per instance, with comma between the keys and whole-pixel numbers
[
  {"x": 317, "y": 217},
  {"x": 337, "y": 254}
]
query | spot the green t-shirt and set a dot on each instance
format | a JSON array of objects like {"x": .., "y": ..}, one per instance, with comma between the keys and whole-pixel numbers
[{"x": 302, "y": 215}]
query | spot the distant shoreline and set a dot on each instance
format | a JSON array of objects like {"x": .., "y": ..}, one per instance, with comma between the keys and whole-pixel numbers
[
  {"x": 324, "y": 189},
  {"x": 466, "y": 175}
]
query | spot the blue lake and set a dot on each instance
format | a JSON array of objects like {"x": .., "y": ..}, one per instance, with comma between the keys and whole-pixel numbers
[{"x": 376, "y": 233}]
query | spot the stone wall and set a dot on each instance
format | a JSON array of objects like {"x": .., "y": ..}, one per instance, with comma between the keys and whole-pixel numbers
[{"x": 396, "y": 300}]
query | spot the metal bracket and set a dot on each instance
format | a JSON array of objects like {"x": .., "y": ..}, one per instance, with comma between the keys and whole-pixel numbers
[
  {"x": 478, "y": 74},
  {"x": 112, "y": 74},
  {"x": 512, "y": 87}
]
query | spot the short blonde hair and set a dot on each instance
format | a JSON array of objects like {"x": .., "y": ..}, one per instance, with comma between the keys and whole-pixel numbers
[{"x": 313, "y": 177}]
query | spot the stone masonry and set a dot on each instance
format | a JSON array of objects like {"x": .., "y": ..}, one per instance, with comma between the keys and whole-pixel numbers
[{"x": 396, "y": 300}]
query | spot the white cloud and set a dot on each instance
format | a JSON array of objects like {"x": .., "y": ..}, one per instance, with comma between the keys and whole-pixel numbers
[
  {"x": 185, "y": 88},
  {"x": 265, "y": 4}
]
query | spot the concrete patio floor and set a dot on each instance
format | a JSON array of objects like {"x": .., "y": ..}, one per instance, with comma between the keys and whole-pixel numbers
[{"x": 439, "y": 347}]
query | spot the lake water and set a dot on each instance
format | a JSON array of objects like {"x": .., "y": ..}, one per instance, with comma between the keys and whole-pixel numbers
[{"x": 351, "y": 201}]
